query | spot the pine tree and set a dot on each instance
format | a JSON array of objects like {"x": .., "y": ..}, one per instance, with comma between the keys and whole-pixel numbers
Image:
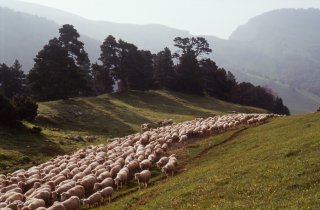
[
  {"x": 188, "y": 71},
  {"x": 102, "y": 80},
  {"x": 69, "y": 37},
  {"x": 189, "y": 76},
  {"x": 8, "y": 115},
  {"x": 280, "y": 108},
  {"x": 164, "y": 74},
  {"x": 12, "y": 79},
  {"x": 54, "y": 74},
  {"x": 140, "y": 76},
  {"x": 130, "y": 67}
]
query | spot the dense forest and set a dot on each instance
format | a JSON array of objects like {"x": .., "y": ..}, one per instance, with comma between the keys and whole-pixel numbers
[{"x": 62, "y": 70}]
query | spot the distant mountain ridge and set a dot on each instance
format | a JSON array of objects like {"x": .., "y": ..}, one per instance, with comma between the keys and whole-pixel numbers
[
  {"x": 24, "y": 35},
  {"x": 153, "y": 37},
  {"x": 259, "y": 51},
  {"x": 279, "y": 49},
  {"x": 289, "y": 40}
]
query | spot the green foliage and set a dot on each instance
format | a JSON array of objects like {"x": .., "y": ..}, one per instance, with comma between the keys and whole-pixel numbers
[
  {"x": 69, "y": 38},
  {"x": 280, "y": 108},
  {"x": 195, "y": 46},
  {"x": 11, "y": 79},
  {"x": 189, "y": 77},
  {"x": 248, "y": 94},
  {"x": 199, "y": 76},
  {"x": 141, "y": 77},
  {"x": 216, "y": 81},
  {"x": 8, "y": 115},
  {"x": 164, "y": 75},
  {"x": 36, "y": 130},
  {"x": 55, "y": 75},
  {"x": 61, "y": 69},
  {"x": 102, "y": 80},
  {"x": 131, "y": 67},
  {"x": 25, "y": 107}
]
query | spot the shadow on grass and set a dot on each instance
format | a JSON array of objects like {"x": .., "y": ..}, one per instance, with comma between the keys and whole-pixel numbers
[
  {"x": 155, "y": 101},
  {"x": 19, "y": 146}
]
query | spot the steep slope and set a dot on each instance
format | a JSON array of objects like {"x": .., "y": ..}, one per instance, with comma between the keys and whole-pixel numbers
[
  {"x": 278, "y": 49},
  {"x": 289, "y": 37},
  {"x": 23, "y": 35},
  {"x": 104, "y": 116},
  {"x": 272, "y": 166},
  {"x": 288, "y": 47}
]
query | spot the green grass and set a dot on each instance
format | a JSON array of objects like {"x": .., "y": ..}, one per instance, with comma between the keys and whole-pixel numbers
[
  {"x": 104, "y": 116},
  {"x": 272, "y": 166}
]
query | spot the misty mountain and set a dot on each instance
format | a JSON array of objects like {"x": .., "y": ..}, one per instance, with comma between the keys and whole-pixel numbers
[
  {"x": 279, "y": 49},
  {"x": 24, "y": 35},
  {"x": 276, "y": 50},
  {"x": 289, "y": 41},
  {"x": 152, "y": 37}
]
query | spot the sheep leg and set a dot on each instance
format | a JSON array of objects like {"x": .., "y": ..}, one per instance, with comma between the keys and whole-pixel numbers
[{"x": 109, "y": 198}]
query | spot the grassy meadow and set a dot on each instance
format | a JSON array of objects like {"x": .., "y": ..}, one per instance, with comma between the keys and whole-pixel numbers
[
  {"x": 272, "y": 166},
  {"x": 104, "y": 116}
]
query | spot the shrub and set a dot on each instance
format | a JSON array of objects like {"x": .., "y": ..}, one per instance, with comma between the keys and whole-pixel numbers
[
  {"x": 35, "y": 130},
  {"x": 26, "y": 108},
  {"x": 8, "y": 115}
]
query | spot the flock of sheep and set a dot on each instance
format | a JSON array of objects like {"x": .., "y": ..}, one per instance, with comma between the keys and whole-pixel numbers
[{"x": 90, "y": 176}]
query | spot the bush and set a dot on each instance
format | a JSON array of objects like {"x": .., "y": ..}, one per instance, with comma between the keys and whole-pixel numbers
[
  {"x": 26, "y": 108},
  {"x": 35, "y": 130},
  {"x": 8, "y": 115}
]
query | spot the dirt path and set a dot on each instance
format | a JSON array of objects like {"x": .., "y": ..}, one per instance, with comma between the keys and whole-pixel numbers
[
  {"x": 181, "y": 168},
  {"x": 229, "y": 139}
]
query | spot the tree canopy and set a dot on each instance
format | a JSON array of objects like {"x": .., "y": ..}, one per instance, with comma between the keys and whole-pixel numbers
[
  {"x": 61, "y": 69},
  {"x": 55, "y": 75},
  {"x": 12, "y": 79},
  {"x": 195, "y": 46}
]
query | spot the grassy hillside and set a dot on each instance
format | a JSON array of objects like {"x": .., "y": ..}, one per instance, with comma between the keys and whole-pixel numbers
[
  {"x": 273, "y": 166},
  {"x": 104, "y": 116}
]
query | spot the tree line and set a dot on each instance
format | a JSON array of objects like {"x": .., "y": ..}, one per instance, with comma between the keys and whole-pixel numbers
[
  {"x": 62, "y": 70},
  {"x": 15, "y": 104}
]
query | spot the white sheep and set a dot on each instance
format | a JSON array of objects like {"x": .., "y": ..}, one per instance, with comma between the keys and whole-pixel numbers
[
  {"x": 107, "y": 193},
  {"x": 108, "y": 182},
  {"x": 143, "y": 177},
  {"x": 145, "y": 164},
  {"x": 78, "y": 191},
  {"x": 57, "y": 206},
  {"x": 88, "y": 182},
  {"x": 72, "y": 203},
  {"x": 34, "y": 203},
  {"x": 120, "y": 179},
  {"x": 94, "y": 199}
]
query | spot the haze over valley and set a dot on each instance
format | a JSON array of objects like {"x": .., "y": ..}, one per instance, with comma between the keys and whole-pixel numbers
[{"x": 277, "y": 49}]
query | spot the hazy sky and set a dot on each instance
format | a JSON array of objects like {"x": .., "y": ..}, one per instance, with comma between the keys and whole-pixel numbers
[{"x": 206, "y": 17}]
